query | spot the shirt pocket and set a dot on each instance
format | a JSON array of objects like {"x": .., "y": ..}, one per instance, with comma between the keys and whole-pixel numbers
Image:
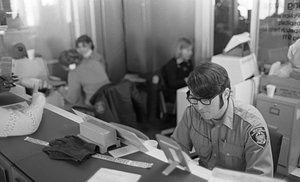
[
  {"x": 230, "y": 154},
  {"x": 203, "y": 147}
]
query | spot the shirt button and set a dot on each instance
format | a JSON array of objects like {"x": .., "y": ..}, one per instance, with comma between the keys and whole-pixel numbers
[
  {"x": 215, "y": 155},
  {"x": 228, "y": 154}
]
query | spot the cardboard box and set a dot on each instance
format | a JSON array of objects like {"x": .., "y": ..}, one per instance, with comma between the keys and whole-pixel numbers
[
  {"x": 238, "y": 68},
  {"x": 285, "y": 87}
]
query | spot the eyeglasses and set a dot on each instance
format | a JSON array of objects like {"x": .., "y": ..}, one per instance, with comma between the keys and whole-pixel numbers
[{"x": 194, "y": 101}]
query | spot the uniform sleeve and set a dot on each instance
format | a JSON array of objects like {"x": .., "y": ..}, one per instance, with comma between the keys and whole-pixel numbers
[
  {"x": 182, "y": 130},
  {"x": 73, "y": 95},
  {"x": 258, "y": 151},
  {"x": 23, "y": 122}
]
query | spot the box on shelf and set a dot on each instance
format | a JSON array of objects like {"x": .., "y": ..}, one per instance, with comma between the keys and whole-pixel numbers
[
  {"x": 285, "y": 87},
  {"x": 238, "y": 68},
  {"x": 237, "y": 59}
]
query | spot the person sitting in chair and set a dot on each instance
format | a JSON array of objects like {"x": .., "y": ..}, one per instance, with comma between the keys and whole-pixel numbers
[
  {"x": 224, "y": 132},
  {"x": 85, "y": 77},
  {"x": 178, "y": 68},
  {"x": 85, "y": 46}
]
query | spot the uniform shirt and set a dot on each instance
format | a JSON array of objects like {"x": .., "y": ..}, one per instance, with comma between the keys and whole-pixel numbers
[{"x": 240, "y": 142}]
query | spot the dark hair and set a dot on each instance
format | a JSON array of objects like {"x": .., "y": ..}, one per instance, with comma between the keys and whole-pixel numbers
[
  {"x": 207, "y": 80},
  {"x": 69, "y": 57},
  {"x": 86, "y": 40}
]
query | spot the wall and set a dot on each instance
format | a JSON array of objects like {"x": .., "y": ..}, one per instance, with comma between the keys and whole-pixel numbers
[
  {"x": 110, "y": 37},
  {"x": 148, "y": 31},
  {"x": 170, "y": 19},
  {"x": 152, "y": 30},
  {"x": 138, "y": 35},
  {"x": 51, "y": 32}
]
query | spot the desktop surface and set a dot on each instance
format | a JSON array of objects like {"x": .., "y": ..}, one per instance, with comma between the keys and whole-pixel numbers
[{"x": 34, "y": 163}]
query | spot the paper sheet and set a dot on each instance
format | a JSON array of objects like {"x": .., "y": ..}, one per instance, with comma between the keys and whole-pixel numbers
[
  {"x": 120, "y": 152},
  {"x": 110, "y": 175}
]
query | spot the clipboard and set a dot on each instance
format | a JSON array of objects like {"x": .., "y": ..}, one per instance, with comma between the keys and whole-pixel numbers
[{"x": 173, "y": 153}]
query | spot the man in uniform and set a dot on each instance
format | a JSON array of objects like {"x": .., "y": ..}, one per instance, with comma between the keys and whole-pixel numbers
[{"x": 224, "y": 132}]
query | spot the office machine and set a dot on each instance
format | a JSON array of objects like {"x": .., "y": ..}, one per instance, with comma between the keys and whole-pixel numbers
[
  {"x": 98, "y": 133},
  {"x": 107, "y": 134}
]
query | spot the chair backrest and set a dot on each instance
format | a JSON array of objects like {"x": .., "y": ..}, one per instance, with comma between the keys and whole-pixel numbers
[
  {"x": 120, "y": 103},
  {"x": 276, "y": 140}
]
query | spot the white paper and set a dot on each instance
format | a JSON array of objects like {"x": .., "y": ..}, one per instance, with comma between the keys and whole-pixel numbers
[
  {"x": 110, "y": 175},
  {"x": 225, "y": 175},
  {"x": 120, "y": 152},
  {"x": 237, "y": 40}
]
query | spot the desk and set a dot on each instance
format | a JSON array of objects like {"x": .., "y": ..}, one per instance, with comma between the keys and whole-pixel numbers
[{"x": 27, "y": 161}]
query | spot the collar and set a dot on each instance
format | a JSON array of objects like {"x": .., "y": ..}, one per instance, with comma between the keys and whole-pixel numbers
[{"x": 228, "y": 116}]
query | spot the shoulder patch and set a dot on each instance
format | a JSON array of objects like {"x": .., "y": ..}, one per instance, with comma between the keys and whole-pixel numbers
[
  {"x": 100, "y": 107},
  {"x": 259, "y": 136}
]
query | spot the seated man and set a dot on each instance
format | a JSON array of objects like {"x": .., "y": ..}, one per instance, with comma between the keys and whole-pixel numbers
[{"x": 224, "y": 132}]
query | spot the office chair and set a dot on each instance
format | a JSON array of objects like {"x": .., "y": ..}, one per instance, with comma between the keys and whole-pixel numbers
[
  {"x": 118, "y": 103},
  {"x": 276, "y": 141}
]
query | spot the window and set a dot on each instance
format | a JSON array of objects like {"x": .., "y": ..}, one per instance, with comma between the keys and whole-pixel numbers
[
  {"x": 231, "y": 17},
  {"x": 279, "y": 28}
]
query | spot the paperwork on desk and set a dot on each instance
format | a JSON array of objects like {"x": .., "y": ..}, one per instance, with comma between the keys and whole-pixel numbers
[
  {"x": 110, "y": 175},
  {"x": 225, "y": 175},
  {"x": 120, "y": 152}
]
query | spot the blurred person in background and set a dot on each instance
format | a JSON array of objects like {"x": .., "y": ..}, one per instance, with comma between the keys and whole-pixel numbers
[
  {"x": 178, "y": 68},
  {"x": 85, "y": 46},
  {"x": 85, "y": 77}
]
